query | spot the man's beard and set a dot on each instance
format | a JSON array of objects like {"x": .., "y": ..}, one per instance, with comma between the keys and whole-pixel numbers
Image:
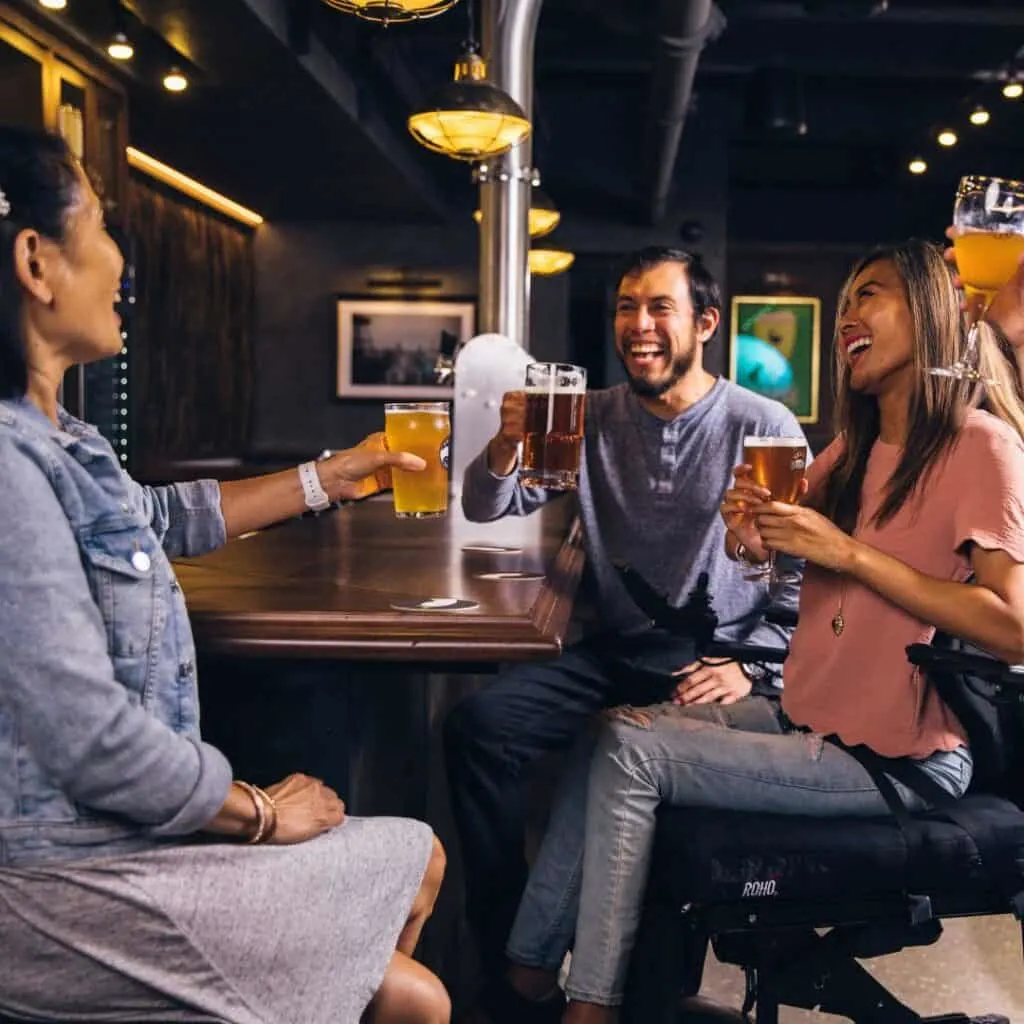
[{"x": 678, "y": 369}]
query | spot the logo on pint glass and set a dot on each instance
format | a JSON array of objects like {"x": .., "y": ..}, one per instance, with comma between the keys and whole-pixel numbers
[
  {"x": 445, "y": 450},
  {"x": 798, "y": 462}
]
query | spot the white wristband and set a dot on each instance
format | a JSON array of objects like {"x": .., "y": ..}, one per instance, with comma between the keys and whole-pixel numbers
[{"x": 316, "y": 496}]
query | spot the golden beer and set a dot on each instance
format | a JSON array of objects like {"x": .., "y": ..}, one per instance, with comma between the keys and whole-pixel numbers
[
  {"x": 424, "y": 429},
  {"x": 778, "y": 464},
  {"x": 987, "y": 259},
  {"x": 553, "y": 429}
]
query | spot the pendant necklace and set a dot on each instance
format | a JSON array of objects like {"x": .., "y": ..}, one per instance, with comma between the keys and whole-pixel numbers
[{"x": 838, "y": 622}]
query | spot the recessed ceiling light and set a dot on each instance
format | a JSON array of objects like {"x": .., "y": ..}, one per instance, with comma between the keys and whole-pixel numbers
[
  {"x": 53, "y": 5},
  {"x": 1013, "y": 90},
  {"x": 946, "y": 138},
  {"x": 917, "y": 166},
  {"x": 979, "y": 115}
]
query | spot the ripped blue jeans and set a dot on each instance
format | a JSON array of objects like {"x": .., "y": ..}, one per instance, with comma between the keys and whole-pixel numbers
[{"x": 589, "y": 877}]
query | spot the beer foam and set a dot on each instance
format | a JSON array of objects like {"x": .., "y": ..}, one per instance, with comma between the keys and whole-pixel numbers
[
  {"x": 556, "y": 389},
  {"x": 774, "y": 442}
]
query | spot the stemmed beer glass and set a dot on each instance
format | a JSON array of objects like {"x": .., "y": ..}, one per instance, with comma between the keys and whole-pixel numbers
[
  {"x": 778, "y": 465},
  {"x": 988, "y": 224}
]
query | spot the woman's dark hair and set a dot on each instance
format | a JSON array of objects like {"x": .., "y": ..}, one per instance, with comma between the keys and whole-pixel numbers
[
  {"x": 937, "y": 404},
  {"x": 704, "y": 291},
  {"x": 39, "y": 183}
]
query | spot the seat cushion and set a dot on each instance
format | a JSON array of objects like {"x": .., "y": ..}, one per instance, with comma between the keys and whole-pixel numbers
[{"x": 708, "y": 857}]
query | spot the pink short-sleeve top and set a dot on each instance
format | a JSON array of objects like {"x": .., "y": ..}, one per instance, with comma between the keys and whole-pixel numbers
[{"x": 859, "y": 685}]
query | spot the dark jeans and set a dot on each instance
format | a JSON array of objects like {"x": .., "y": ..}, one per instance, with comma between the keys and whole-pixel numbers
[{"x": 528, "y": 711}]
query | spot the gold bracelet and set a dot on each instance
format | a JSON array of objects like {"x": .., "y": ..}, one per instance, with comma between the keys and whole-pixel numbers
[
  {"x": 266, "y": 812},
  {"x": 271, "y": 809}
]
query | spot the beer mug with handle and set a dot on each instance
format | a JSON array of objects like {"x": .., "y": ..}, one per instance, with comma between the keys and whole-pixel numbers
[
  {"x": 556, "y": 396},
  {"x": 423, "y": 428}
]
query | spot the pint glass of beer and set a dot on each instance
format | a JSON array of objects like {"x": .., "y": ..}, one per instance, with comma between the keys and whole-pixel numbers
[
  {"x": 555, "y": 400},
  {"x": 423, "y": 428},
  {"x": 778, "y": 464}
]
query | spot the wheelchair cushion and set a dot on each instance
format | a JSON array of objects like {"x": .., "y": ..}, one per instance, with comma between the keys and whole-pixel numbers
[{"x": 712, "y": 857}]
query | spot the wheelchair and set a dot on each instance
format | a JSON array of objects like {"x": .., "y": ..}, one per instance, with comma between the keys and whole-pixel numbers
[{"x": 797, "y": 902}]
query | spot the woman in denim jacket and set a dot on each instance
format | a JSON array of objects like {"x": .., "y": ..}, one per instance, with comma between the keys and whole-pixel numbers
[{"x": 110, "y": 907}]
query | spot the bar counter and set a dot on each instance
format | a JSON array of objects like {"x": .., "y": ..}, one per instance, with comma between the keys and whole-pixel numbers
[{"x": 322, "y": 587}]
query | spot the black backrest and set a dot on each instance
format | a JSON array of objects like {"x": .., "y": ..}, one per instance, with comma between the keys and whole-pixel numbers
[{"x": 987, "y": 699}]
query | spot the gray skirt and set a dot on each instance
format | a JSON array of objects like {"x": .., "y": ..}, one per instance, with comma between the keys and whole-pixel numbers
[{"x": 248, "y": 935}]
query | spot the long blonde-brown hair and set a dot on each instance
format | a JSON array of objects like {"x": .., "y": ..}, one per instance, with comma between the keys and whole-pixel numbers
[{"x": 937, "y": 404}]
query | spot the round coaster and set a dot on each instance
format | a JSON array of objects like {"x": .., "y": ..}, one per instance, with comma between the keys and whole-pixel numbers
[
  {"x": 493, "y": 549},
  {"x": 511, "y": 575},
  {"x": 435, "y": 604}
]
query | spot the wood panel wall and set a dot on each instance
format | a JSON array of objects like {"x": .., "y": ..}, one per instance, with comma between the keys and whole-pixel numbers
[{"x": 192, "y": 329}]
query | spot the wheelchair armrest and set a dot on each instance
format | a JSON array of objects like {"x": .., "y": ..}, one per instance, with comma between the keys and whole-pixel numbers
[
  {"x": 983, "y": 666},
  {"x": 746, "y": 653}
]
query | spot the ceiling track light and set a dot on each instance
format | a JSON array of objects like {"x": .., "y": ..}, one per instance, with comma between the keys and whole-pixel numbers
[
  {"x": 979, "y": 116},
  {"x": 1014, "y": 89}
]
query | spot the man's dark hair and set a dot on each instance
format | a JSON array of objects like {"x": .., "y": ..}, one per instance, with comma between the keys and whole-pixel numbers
[
  {"x": 39, "y": 182},
  {"x": 704, "y": 291}
]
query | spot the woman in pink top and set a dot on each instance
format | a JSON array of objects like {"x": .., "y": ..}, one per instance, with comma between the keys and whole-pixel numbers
[{"x": 918, "y": 492}]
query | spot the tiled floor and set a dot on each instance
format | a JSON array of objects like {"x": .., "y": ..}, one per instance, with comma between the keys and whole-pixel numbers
[{"x": 976, "y": 968}]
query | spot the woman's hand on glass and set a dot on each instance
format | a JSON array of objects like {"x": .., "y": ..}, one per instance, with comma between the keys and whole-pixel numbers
[
  {"x": 803, "y": 533},
  {"x": 738, "y": 509},
  {"x": 364, "y": 470},
  {"x": 306, "y": 808}
]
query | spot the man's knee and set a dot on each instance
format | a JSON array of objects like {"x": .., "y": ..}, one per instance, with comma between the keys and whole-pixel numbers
[{"x": 473, "y": 723}]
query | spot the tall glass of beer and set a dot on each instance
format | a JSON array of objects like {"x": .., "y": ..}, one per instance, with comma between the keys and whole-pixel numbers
[
  {"x": 777, "y": 464},
  {"x": 423, "y": 428},
  {"x": 555, "y": 404},
  {"x": 988, "y": 225}
]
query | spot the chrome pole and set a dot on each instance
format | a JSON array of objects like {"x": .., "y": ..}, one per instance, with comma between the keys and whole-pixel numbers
[{"x": 509, "y": 31}]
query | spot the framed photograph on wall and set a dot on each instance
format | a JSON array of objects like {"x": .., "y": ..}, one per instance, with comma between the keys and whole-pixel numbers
[
  {"x": 389, "y": 348},
  {"x": 775, "y": 349}
]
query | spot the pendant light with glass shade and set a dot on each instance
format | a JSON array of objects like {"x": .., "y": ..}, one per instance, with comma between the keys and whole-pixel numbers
[
  {"x": 388, "y": 11},
  {"x": 547, "y": 262},
  {"x": 469, "y": 118},
  {"x": 543, "y": 217}
]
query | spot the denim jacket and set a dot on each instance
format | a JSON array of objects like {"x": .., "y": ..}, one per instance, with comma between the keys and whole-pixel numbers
[{"x": 99, "y": 722}]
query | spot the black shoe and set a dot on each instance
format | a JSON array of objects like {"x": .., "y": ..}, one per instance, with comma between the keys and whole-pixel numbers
[
  {"x": 502, "y": 1004},
  {"x": 695, "y": 1010}
]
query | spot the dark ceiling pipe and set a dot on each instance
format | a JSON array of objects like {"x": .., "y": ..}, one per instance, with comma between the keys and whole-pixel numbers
[{"x": 683, "y": 28}]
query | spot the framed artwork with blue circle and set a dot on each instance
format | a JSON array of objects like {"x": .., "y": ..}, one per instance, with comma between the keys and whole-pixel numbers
[{"x": 775, "y": 349}]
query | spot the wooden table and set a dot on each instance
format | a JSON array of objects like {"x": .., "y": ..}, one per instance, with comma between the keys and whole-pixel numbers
[{"x": 322, "y": 587}]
